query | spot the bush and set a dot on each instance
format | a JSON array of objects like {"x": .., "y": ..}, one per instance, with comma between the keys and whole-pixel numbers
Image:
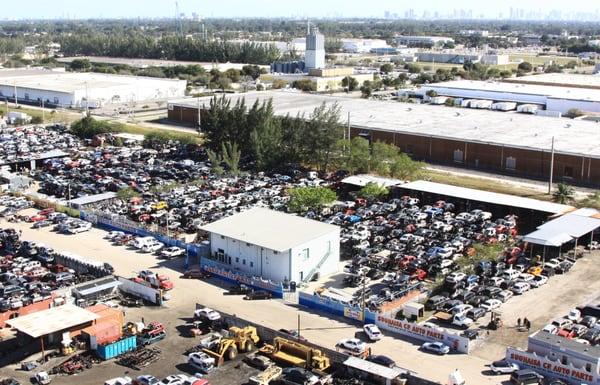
[
  {"x": 372, "y": 191},
  {"x": 525, "y": 67},
  {"x": 305, "y": 198},
  {"x": 162, "y": 137},
  {"x": 89, "y": 127},
  {"x": 574, "y": 113}
]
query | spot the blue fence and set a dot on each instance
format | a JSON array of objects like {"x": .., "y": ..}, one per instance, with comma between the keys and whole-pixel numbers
[
  {"x": 115, "y": 223},
  {"x": 256, "y": 283},
  {"x": 328, "y": 305}
]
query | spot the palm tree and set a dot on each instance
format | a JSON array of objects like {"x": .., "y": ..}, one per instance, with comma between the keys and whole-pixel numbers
[{"x": 564, "y": 193}]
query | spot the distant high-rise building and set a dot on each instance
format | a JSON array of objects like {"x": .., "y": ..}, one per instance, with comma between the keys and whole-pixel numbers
[
  {"x": 315, "y": 49},
  {"x": 387, "y": 14}
]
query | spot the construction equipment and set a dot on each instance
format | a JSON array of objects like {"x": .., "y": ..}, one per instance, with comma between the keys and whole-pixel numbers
[
  {"x": 154, "y": 332},
  {"x": 296, "y": 354},
  {"x": 495, "y": 321},
  {"x": 239, "y": 340},
  {"x": 75, "y": 364},
  {"x": 265, "y": 377}
]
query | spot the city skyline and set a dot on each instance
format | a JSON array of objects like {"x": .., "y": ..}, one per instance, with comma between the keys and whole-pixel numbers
[{"x": 435, "y": 9}]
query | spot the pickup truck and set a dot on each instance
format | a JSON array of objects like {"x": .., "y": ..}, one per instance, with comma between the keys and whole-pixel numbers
[{"x": 458, "y": 319}]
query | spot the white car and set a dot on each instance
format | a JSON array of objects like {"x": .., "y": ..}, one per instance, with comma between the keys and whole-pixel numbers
[
  {"x": 174, "y": 379},
  {"x": 172, "y": 252},
  {"x": 352, "y": 344},
  {"x": 539, "y": 281},
  {"x": 373, "y": 332},
  {"x": 455, "y": 277},
  {"x": 79, "y": 228},
  {"x": 152, "y": 247},
  {"x": 503, "y": 367},
  {"x": 520, "y": 287},
  {"x": 207, "y": 313},
  {"x": 461, "y": 309},
  {"x": 491, "y": 304},
  {"x": 118, "y": 381},
  {"x": 552, "y": 329},
  {"x": 389, "y": 277},
  {"x": 113, "y": 234},
  {"x": 202, "y": 361}
]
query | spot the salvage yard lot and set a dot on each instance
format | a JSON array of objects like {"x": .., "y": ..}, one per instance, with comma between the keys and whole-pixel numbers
[{"x": 542, "y": 305}]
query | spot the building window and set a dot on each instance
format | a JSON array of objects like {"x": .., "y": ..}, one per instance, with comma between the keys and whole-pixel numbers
[
  {"x": 511, "y": 163},
  {"x": 458, "y": 156},
  {"x": 568, "y": 172},
  {"x": 222, "y": 237},
  {"x": 247, "y": 244},
  {"x": 26, "y": 96},
  {"x": 56, "y": 101},
  {"x": 243, "y": 261},
  {"x": 305, "y": 254},
  {"x": 237, "y": 260},
  {"x": 588, "y": 367},
  {"x": 275, "y": 252},
  {"x": 251, "y": 264},
  {"x": 563, "y": 360}
]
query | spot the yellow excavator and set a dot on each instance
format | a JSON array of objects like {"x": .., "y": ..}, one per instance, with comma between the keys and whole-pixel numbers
[{"x": 239, "y": 340}]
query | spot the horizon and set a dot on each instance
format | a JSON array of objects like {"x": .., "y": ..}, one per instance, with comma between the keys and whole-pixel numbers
[{"x": 533, "y": 10}]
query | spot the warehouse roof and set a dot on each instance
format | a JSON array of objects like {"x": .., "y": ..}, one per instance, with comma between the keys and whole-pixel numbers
[
  {"x": 565, "y": 228},
  {"x": 96, "y": 286},
  {"x": 69, "y": 82},
  {"x": 520, "y": 89},
  {"x": 463, "y": 124},
  {"x": 270, "y": 229},
  {"x": 560, "y": 80},
  {"x": 53, "y": 320},
  {"x": 487, "y": 196}
]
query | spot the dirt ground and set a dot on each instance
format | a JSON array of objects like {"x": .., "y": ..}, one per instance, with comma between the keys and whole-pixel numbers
[{"x": 319, "y": 328}]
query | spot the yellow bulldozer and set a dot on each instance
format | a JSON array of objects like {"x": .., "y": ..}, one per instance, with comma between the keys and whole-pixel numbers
[
  {"x": 239, "y": 340},
  {"x": 296, "y": 354}
]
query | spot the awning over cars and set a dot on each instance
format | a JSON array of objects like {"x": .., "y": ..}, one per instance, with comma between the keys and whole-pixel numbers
[
  {"x": 565, "y": 228},
  {"x": 53, "y": 320}
]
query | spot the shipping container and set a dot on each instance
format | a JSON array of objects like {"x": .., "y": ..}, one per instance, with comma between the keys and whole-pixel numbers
[
  {"x": 103, "y": 333},
  {"x": 107, "y": 352}
]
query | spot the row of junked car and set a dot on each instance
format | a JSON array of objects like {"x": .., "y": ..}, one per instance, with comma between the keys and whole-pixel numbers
[
  {"x": 29, "y": 272},
  {"x": 146, "y": 244},
  {"x": 21, "y": 144}
]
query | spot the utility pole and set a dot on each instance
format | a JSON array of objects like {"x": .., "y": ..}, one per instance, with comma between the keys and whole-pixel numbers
[
  {"x": 87, "y": 101},
  {"x": 551, "y": 167},
  {"x": 43, "y": 112},
  {"x": 348, "y": 125},
  {"x": 199, "y": 117},
  {"x": 298, "y": 327},
  {"x": 16, "y": 96},
  {"x": 364, "y": 310}
]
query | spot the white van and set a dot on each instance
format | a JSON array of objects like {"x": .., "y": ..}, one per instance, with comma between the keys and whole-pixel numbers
[
  {"x": 140, "y": 242},
  {"x": 510, "y": 274}
]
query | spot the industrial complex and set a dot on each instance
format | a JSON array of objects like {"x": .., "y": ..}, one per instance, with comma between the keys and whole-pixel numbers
[
  {"x": 509, "y": 143},
  {"x": 80, "y": 90}
]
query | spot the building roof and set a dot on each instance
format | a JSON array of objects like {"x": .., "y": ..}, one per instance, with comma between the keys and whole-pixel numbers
[
  {"x": 565, "y": 228},
  {"x": 486, "y": 196},
  {"x": 550, "y": 91},
  {"x": 487, "y": 127},
  {"x": 270, "y": 229},
  {"x": 562, "y": 344},
  {"x": 89, "y": 199},
  {"x": 53, "y": 320},
  {"x": 364, "y": 179},
  {"x": 560, "y": 80},
  {"x": 373, "y": 368},
  {"x": 70, "y": 82}
]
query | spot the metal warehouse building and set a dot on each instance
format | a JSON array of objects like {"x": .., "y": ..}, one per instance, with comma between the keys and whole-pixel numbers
[
  {"x": 72, "y": 89},
  {"x": 275, "y": 245},
  {"x": 551, "y": 97},
  {"x": 508, "y": 143}
]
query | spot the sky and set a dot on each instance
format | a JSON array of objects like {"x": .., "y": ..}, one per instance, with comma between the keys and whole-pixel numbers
[{"x": 37, "y": 9}]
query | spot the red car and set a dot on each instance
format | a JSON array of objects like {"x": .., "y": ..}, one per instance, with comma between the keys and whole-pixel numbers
[
  {"x": 419, "y": 275},
  {"x": 36, "y": 218},
  {"x": 47, "y": 211},
  {"x": 570, "y": 334}
]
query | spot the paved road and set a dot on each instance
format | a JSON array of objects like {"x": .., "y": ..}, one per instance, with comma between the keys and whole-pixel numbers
[{"x": 274, "y": 313}]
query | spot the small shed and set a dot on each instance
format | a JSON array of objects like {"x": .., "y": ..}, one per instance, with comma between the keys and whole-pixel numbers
[{"x": 413, "y": 310}]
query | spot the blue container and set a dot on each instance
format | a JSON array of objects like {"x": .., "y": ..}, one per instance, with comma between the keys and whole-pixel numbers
[{"x": 106, "y": 352}]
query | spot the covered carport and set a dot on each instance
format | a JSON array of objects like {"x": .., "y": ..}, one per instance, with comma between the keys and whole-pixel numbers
[{"x": 572, "y": 228}]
